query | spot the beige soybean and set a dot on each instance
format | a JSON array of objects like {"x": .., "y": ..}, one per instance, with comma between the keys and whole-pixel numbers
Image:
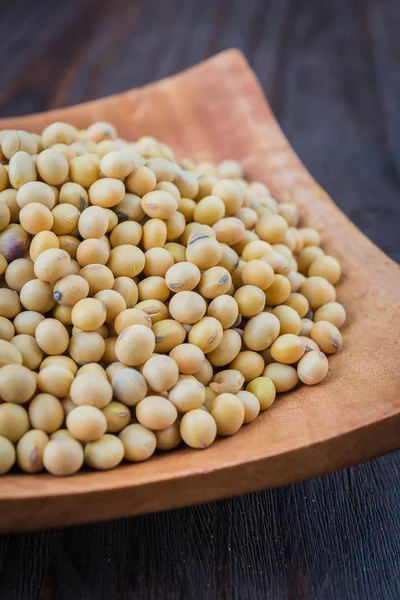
[
  {"x": 264, "y": 390},
  {"x": 62, "y": 314},
  {"x": 309, "y": 343},
  {"x": 229, "y": 258},
  {"x": 141, "y": 181},
  {"x": 248, "y": 216},
  {"x": 209, "y": 210},
  {"x": 159, "y": 204},
  {"x": 288, "y": 318},
  {"x": 332, "y": 312},
  {"x": 52, "y": 166},
  {"x": 188, "y": 394},
  {"x": 278, "y": 291},
  {"x": 14, "y": 421},
  {"x": 93, "y": 222},
  {"x": 86, "y": 347},
  {"x": 258, "y": 273},
  {"x": 228, "y": 413},
  {"x": 17, "y": 383},
  {"x": 30, "y": 450},
  {"x": 106, "y": 192},
  {"x": 52, "y": 264},
  {"x": 7, "y": 330},
  {"x": 198, "y": 429},
  {"x": 175, "y": 226},
  {"x": 126, "y": 261},
  {"x": 310, "y": 236},
  {"x": 227, "y": 350},
  {"x": 129, "y": 386},
  {"x": 225, "y": 309},
  {"x": 156, "y": 412},
  {"x": 206, "y": 334},
  {"x": 59, "y": 133},
  {"x": 154, "y": 234},
  {"x": 177, "y": 251},
  {"x": 9, "y": 198},
  {"x": 327, "y": 267},
  {"x": 52, "y": 336},
  {"x": 36, "y": 217},
  {"x": 99, "y": 277},
  {"x": 214, "y": 282},
  {"x": 161, "y": 373},
  {"x": 261, "y": 331},
  {"x": 7, "y": 455},
  {"x": 230, "y": 193},
  {"x": 168, "y": 334},
  {"x": 19, "y": 272},
  {"x": 157, "y": 262},
  {"x": 249, "y": 363},
  {"x": 156, "y": 310},
  {"x": 130, "y": 207},
  {"x": 139, "y": 442},
  {"x": 10, "y": 304},
  {"x": 128, "y": 290},
  {"x": 55, "y": 379},
  {"x": 313, "y": 367},
  {"x": 21, "y": 169},
  {"x": 251, "y": 405},
  {"x": 228, "y": 381},
  {"x": 307, "y": 256},
  {"x": 74, "y": 194},
  {"x": 118, "y": 416},
  {"x": 44, "y": 240},
  {"x": 105, "y": 453},
  {"x": 65, "y": 219},
  {"x": 327, "y": 336},
  {"x": 168, "y": 438},
  {"x": 203, "y": 251},
  {"x": 9, "y": 354},
  {"x": 318, "y": 291},
  {"x": 63, "y": 456},
  {"x": 153, "y": 288},
  {"x": 36, "y": 191},
  {"x": 187, "y": 307},
  {"x": 229, "y": 230},
  {"x": 91, "y": 389},
  {"x": 183, "y": 276},
  {"x": 298, "y": 302},
  {"x": 113, "y": 302},
  {"x": 27, "y": 321},
  {"x": 61, "y": 361},
  {"x": 188, "y": 358},
  {"x": 116, "y": 164},
  {"x": 86, "y": 423},
  {"x": 128, "y": 232},
  {"x": 135, "y": 344},
  {"x": 250, "y": 300},
  {"x": 46, "y": 413},
  {"x": 131, "y": 316},
  {"x": 88, "y": 314},
  {"x": 287, "y": 349},
  {"x": 70, "y": 289},
  {"x": 30, "y": 351}
]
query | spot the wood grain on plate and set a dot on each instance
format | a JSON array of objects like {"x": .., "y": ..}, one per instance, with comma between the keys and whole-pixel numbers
[{"x": 213, "y": 111}]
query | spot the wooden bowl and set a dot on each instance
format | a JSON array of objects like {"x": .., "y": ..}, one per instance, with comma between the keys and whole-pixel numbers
[{"x": 217, "y": 110}]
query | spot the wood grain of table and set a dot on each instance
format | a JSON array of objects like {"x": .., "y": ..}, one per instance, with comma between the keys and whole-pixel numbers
[{"x": 330, "y": 71}]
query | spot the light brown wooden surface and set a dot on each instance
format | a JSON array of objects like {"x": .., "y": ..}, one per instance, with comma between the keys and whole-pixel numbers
[{"x": 213, "y": 111}]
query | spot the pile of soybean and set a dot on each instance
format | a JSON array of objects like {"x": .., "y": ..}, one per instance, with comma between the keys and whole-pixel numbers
[{"x": 146, "y": 302}]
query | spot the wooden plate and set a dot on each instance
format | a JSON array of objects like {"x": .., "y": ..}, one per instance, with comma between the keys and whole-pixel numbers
[{"x": 217, "y": 110}]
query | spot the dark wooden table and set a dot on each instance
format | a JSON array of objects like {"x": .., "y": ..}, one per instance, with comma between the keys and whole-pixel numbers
[{"x": 330, "y": 71}]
